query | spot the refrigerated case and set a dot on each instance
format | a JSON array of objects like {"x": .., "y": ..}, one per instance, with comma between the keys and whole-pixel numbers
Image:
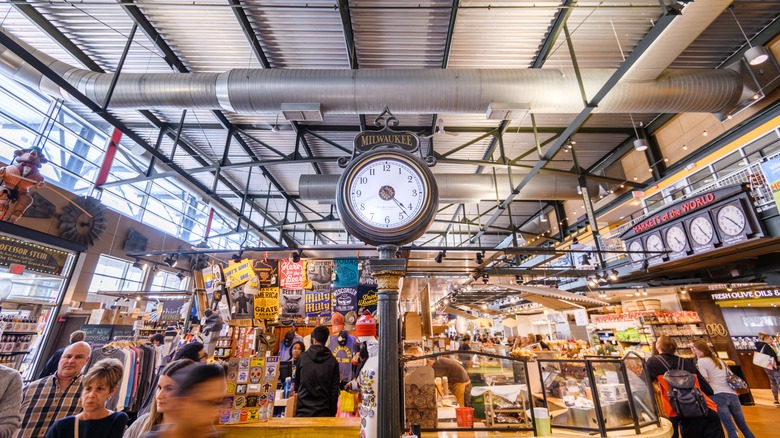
[{"x": 33, "y": 279}]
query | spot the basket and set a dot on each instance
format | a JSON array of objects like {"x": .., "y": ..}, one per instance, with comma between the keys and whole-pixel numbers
[{"x": 464, "y": 417}]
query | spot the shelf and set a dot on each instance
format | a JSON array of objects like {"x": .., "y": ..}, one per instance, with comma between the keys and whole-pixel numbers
[
  {"x": 17, "y": 333},
  {"x": 632, "y": 342},
  {"x": 508, "y": 410},
  {"x": 672, "y": 323},
  {"x": 14, "y": 353}
]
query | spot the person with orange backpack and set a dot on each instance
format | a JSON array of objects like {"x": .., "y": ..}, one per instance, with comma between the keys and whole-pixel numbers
[{"x": 685, "y": 394}]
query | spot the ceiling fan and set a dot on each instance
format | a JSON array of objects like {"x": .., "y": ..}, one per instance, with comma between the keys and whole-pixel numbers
[{"x": 439, "y": 130}]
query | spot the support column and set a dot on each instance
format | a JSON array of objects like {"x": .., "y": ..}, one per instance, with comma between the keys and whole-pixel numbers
[{"x": 388, "y": 270}]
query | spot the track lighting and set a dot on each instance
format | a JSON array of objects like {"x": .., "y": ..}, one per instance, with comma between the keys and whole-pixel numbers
[
  {"x": 592, "y": 282},
  {"x": 169, "y": 261},
  {"x": 728, "y": 287},
  {"x": 295, "y": 256},
  {"x": 137, "y": 263},
  {"x": 440, "y": 256},
  {"x": 601, "y": 280},
  {"x": 479, "y": 258},
  {"x": 613, "y": 275},
  {"x": 237, "y": 257},
  {"x": 485, "y": 278},
  {"x": 180, "y": 276}
]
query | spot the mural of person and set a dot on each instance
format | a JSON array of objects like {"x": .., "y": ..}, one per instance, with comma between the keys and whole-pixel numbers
[{"x": 16, "y": 180}]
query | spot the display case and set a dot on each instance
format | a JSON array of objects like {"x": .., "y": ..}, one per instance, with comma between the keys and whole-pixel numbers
[
  {"x": 598, "y": 394},
  {"x": 683, "y": 327}
]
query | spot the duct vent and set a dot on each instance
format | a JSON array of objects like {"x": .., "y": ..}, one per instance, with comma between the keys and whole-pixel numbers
[
  {"x": 507, "y": 111},
  {"x": 302, "y": 112}
]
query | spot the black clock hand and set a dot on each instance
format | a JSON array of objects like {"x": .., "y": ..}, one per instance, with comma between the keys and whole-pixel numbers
[
  {"x": 700, "y": 230},
  {"x": 400, "y": 205},
  {"x": 732, "y": 221},
  {"x": 677, "y": 240}
]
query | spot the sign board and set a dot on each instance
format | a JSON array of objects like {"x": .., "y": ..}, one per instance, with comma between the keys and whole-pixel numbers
[
  {"x": 124, "y": 331},
  {"x": 98, "y": 335},
  {"x": 746, "y": 294},
  {"x": 31, "y": 256},
  {"x": 771, "y": 170},
  {"x": 581, "y": 317}
]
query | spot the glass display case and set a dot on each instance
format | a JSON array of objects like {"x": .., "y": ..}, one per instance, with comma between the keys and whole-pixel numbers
[{"x": 597, "y": 394}]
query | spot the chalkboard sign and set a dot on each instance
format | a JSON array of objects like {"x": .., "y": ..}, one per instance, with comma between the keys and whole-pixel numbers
[
  {"x": 125, "y": 332},
  {"x": 98, "y": 335}
]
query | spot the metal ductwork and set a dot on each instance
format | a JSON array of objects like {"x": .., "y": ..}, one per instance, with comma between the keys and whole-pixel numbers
[
  {"x": 459, "y": 188},
  {"x": 370, "y": 90}
]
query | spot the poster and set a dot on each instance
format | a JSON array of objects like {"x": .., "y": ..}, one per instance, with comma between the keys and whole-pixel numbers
[
  {"x": 584, "y": 257},
  {"x": 367, "y": 299},
  {"x": 293, "y": 304},
  {"x": 239, "y": 273},
  {"x": 267, "y": 272},
  {"x": 366, "y": 276},
  {"x": 771, "y": 170},
  {"x": 346, "y": 273},
  {"x": 267, "y": 303},
  {"x": 345, "y": 299},
  {"x": 172, "y": 310},
  {"x": 241, "y": 301},
  {"x": 290, "y": 274},
  {"x": 318, "y": 304},
  {"x": 317, "y": 275}
]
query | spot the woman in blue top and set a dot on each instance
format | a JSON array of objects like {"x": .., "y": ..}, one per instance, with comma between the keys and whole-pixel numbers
[{"x": 95, "y": 421}]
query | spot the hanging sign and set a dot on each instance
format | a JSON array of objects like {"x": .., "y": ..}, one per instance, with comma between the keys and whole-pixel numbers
[
  {"x": 267, "y": 273},
  {"x": 290, "y": 274},
  {"x": 346, "y": 273},
  {"x": 293, "y": 304},
  {"x": 317, "y": 275},
  {"x": 345, "y": 299},
  {"x": 318, "y": 304},
  {"x": 771, "y": 170},
  {"x": 239, "y": 273},
  {"x": 367, "y": 298},
  {"x": 31, "y": 256},
  {"x": 242, "y": 299},
  {"x": 267, "y": 303}
]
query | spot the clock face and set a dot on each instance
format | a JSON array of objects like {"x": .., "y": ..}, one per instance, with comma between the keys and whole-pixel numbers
[
  {"x": 387, "y": 194},
  {"x": 636, "y": 247},
  {"x": 702, "y": 231},
  {"x": 731, "y": 220},
  {"x": 675, "y": 238},
  {"x": 387, "y": 197},
  {"x": 654, "y": 243}
]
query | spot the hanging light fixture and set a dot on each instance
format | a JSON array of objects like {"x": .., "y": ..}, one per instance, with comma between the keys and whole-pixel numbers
[
  {"x": 640, "y": 144},
  {"x": 440, "y": 256},
  {"x": 275, "y": 127},
  {"x": 755, "y": 55},
  {"x": 542, "y": 216}
]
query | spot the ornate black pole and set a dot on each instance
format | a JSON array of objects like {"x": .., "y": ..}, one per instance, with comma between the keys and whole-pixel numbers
[{"x": 388, "y": 270}]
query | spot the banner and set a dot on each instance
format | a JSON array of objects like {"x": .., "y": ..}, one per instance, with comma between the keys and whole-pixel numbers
[
  {"x": 318, "y": 304},
  {"x": 317, "y": 275},
  {"x": 32, "y": 256},
  {"x": 290, "y": 274},
  {"x": 345, "y": 299},
  {"x": 367, "y": 299},
  {"x": 771, "y": 170},
  {"x": 241, "y": 301},
  {"x": 172, "y": 309},
  {"x": 293, "y": 304},
  {"x": 267, "y": 303},
  {"x": 267, "y": 273},
  {"x": 366, "y": 276},
  {"x": 239, "y": 273},
  {"x": 346, "y": 273}
]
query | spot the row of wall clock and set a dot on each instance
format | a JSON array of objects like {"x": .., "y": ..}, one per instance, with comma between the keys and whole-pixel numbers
[{"x": 724, "y": 224}]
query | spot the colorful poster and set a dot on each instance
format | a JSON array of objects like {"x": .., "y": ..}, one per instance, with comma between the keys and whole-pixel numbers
[
  {"x": 290, "y": 274},
  {"x": 346, "y": 273},
  {"x": 267, "y": 273},
  {"x": 293, "y": 304},
  {"x": 317, "y": 275},
  {"x": 239, "y": 273},
  {"x": 366, "y": 276},
  {"x": 367, "y": 299},
  {"x": 345, "y": 299},
  {"x": 241, "y": 300},
  {"x": 771, "y": 170},
  {"x": 318, "y": 304},
  {"x": 267, "y": 303}
]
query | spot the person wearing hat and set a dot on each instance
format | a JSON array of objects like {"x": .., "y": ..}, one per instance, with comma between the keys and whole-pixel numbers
[
  {"x": 285, "y": 349},
  {"x": 366, "y": 373}
]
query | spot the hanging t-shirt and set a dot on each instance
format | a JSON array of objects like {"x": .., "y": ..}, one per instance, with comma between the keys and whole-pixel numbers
[{"x": 343, "y": 355}]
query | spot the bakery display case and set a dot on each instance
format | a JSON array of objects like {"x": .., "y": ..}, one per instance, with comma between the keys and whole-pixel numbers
[{"x": 597, "y": 395}]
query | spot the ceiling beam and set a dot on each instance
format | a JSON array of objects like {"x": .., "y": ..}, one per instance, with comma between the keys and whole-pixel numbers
[
  {"x": 575, "y": 125},
  {"x": 249, "y": 33},
  {"x": 349, "y": 36},
  {"x": 552, "y": 35}
]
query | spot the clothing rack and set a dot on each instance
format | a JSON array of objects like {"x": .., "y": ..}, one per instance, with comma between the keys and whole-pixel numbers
[{"x": 140, "y": 363}]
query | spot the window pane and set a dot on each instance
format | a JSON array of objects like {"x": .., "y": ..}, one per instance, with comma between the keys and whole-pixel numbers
[
  {"x": 729, "y": 165},
  {"x": 700, "y": 179}
]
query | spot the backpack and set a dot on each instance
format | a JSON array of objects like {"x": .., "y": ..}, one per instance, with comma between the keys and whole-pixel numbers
[{"x": 685, "y": 397}]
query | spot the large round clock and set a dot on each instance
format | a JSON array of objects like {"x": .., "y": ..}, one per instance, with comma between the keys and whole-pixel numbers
[
  {"x": 675, "y": 238},
  {"x": 636, "y": 250},
  {"x": 731, "y": 220},
  {"x": 387, "y": 197},
  {"x": 701, "y": 230}
]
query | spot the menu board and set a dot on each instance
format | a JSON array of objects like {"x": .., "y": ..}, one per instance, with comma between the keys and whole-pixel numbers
[{"x": 98, "y": 335}]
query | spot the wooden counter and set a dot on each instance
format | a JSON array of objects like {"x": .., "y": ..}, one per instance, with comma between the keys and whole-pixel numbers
[{"x": 295, "y": 428}]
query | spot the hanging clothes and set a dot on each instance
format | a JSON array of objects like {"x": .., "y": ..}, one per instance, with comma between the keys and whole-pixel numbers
[{"x": 343, "y": 345}]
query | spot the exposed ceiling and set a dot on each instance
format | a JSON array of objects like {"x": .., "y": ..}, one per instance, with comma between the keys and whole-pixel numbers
[{"x": 215, "y": 36}]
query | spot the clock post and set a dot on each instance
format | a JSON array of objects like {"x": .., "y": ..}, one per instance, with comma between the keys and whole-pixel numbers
[
  {"x": 388, "y": 270},
  {"x": 387, "y": 197}
]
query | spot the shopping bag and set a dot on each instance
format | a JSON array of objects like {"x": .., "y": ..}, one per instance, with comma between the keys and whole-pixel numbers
[
  {"x": 735, "y": 382},
  {"x": 763, "y": 360},
  {"x": 347, "y": 402}
]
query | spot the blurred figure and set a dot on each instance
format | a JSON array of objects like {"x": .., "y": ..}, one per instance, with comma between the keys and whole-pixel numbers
[
  {"x": 51, "y": 365},
  {"x": 465, "y": 358},
  {"x": 157, "y": 340},
  {"x": 10, "y": 399},
  {"x": 212, "y": 325},
  {"x": 764, "y": 345},
  {"x": 193, "y": 351},
  {"x": 57, "y": 396},
  {"x": 194, "y": 407},
  {"x": 166, "y": 388},
  {"x": 95, "y": 421}
]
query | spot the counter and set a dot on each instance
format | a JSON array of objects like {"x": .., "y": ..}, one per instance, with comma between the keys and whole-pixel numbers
[{"x": 295, "y": 428}]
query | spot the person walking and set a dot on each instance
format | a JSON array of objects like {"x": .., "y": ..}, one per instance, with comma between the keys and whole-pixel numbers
[
  {"x": 57, "y": 396},
  {"x": 163, "y": 397},
  {"x": 716, "y": 374},
  {"x": 707, "y": 426},
  {"x": 51, "y": 365},
  {"x": 10, "y": 399},
  {"x": 765, "y": 345},
  {"x": 317, "y": 378},
  {"x": 95, "y": 421}
]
